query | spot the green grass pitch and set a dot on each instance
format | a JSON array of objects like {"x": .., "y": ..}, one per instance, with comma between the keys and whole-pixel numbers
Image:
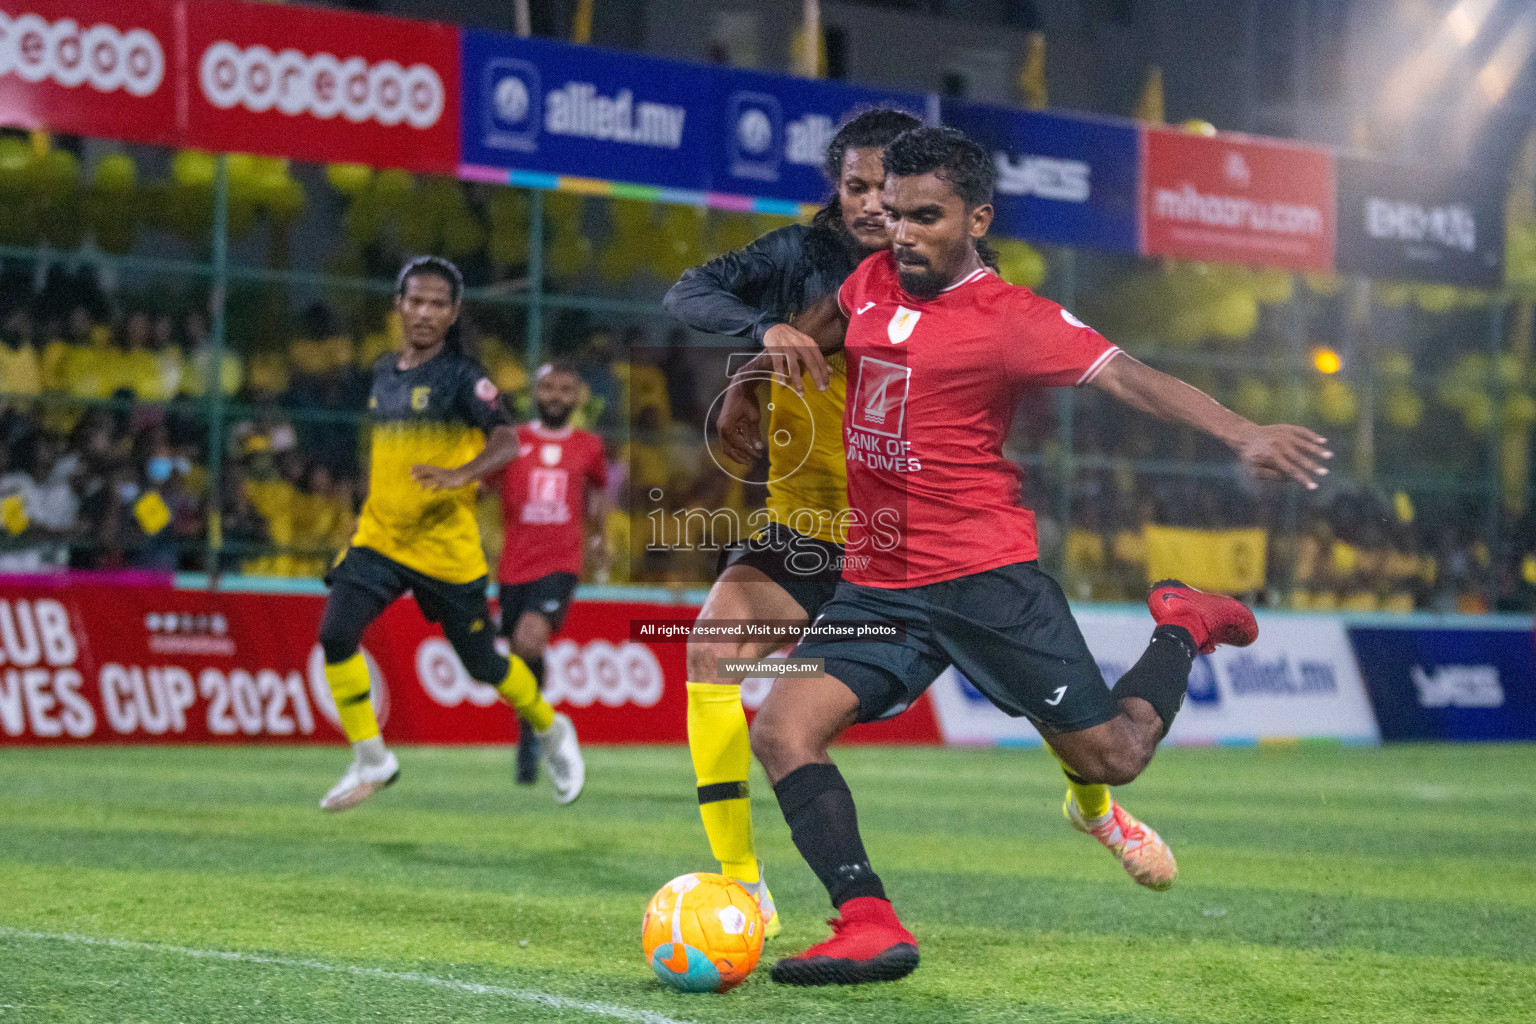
[{"x": 1318, "y": 884}]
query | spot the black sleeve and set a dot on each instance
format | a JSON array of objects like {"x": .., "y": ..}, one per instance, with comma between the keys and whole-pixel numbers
[
  {"x": 479, "y": 401},
  {"x": 735, "y": 294}
]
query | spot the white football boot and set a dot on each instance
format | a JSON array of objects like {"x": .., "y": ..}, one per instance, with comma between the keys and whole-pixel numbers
[
  {"x": 360, "y": 782},
  {"x": 562, "y": 758}
]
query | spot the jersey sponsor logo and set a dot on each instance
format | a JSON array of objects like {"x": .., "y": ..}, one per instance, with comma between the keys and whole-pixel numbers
[
  {"x": 485, "y": 390},
  {"x": 524, "y": 450},
  {"x": 902, "y": 323},
  {"x": 549, "y": 454},
  {"x": 546, "y": 504},
  {"x": 419, "y": 398},
  {"x": 320, "y": 85},
  {"x": 880, "y": 397},
  {"x": 104, "y": 57},
  {"x": 1043, "y": 176},
  {"x": 1074, "y": 321}
]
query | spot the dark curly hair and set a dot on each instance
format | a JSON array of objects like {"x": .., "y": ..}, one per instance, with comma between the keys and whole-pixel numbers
[
  {"x": 951, "y": 155},
  {"x": 437, "y": 266},
  {"x": 871, "y": 128},
  {"x": 956, "y": 158}
]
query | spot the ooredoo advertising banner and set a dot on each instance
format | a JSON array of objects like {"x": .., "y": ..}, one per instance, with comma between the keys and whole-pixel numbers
[
  {"x": 533, "y": 105},
  {"x": 1299, "y": 680},
  {"x": 1420, "y": 223},
  {"x": 1237, "y": 199},
  {"x": 311, "y": 84},
  {"x": 90, "y": 67},
  {"x": 84, "y": 662},
  {"x": 1068, "y": 181}
]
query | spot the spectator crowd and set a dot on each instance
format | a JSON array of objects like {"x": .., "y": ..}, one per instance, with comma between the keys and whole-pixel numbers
[{"x": 105, "y": 442}]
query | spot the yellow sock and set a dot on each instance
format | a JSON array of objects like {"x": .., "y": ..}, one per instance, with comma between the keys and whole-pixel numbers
[
  {"x": 717, "y": 739},
  {"x": 349, "y": 686},
  {"x": 521, "y": 690},
  {"x": 1092, "y": 798}
]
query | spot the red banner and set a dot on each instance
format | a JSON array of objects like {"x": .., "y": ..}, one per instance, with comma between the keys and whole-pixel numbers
[
  {"x": 90, "y": 67},
  {"x": 322, "y": 85},
  {"x": 91, "y": 662},
  {"x": 1237, "y": 200}
]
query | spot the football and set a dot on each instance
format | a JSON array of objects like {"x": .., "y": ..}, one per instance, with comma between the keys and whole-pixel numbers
[{"x": 702, "y": 933}]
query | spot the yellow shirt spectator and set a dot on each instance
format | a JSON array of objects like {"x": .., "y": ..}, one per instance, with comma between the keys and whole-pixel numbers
[
  {"x": 51, "y": 365},
  {"x": 21, "y": 372},
  {"x": 194, "y": 380},
  {"x": 95, "y": 372}
]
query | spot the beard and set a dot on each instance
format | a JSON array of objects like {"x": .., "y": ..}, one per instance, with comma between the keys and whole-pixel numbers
[
  {"x": 555, "y": 416},
  {"x": 920, "y": 279}
]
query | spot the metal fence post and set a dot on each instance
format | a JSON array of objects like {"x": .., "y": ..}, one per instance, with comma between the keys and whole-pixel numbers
[
  {"x": 213, "y": 392},
  {"x": 534, "y": 351}
]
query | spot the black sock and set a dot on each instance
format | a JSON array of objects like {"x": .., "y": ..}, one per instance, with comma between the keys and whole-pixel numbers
[
  {"x": 1162, "y": 675},
  {"x": 825, "y": 827}
]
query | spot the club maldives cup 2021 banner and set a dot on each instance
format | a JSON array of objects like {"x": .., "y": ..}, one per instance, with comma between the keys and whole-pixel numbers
[
  {"x": 90, "y": 67},
  {"x": 85, "y": 661}
]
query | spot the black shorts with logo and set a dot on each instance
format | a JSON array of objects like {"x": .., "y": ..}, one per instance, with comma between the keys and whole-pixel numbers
[
  {"x": 1008, "y": 630},
  {"x": 808, "y": 569},
  {"x": 447, "y": 603},
  {"x": 549, "y": 596}
]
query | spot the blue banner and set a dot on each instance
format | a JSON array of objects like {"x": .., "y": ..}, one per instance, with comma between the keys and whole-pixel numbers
[
  {"x": 1065, "y": 180},
  {"x": 776, "y": 130},
  {"x": 1449, "y": 684},
  {"x": 535, "y": 105}
]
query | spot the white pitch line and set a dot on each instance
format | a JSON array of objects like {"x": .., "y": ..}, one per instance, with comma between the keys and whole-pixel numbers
[{"x": 522, "y": 995}]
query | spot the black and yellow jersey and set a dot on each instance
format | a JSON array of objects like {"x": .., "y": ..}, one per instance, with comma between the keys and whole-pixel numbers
[
  {"x": 807, "y": 470},
  {"x": 436, "y": 414},
  {"x": 743, "y": 294}
]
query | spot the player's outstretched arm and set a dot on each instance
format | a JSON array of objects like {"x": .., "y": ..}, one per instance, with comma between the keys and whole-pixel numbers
[
  {"x": 501, "y": 447},
  {"x": 1279, "y": 451}
]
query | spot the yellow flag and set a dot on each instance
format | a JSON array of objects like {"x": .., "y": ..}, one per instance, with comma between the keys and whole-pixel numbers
[
  {"x": 1149, "y": 107},
  {"x": 13, "y": 513},
  {"x": 152, "y": 513},
  {"x": 1032, "y": 75},
  {"x": 1225, "y": 561}
]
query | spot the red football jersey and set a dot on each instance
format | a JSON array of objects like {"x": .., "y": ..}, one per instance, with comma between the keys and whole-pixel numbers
[
  {"x": 544, "y": 501},
  {"x": 932, "y": 389}
]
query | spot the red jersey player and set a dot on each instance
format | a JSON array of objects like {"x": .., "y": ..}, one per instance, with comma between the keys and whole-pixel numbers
[
  {"x": 939, "y": 351},
  {"x": 550, "y": 494}
]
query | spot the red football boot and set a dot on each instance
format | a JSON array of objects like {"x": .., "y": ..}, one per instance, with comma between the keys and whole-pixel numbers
[
  {"x": 1211, "y": 619},
  {"x": 868, "y": 943}
]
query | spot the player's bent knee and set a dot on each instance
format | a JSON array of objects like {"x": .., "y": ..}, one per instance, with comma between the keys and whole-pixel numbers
[
  {"x": 337, "y": 644},
  {"x": 704, "y": 657},
  {"x": 530, "y": 637},
  {"x": 774, "y": 747}
]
